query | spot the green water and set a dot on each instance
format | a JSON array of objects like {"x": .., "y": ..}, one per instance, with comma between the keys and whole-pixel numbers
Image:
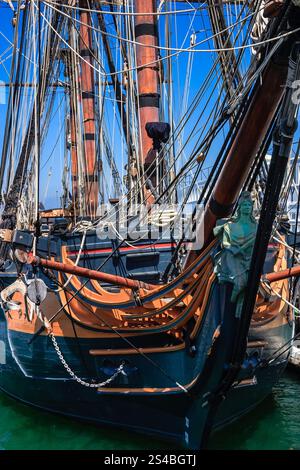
[{"x": 275, "y": 424}]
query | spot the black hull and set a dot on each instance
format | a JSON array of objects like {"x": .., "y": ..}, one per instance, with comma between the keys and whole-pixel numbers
[
  {"x": 247, "y": 394},
  {"x": 172, "y": 401},
  {"x": 163, "y": 417},
  {"x": 239, "y": 402}
]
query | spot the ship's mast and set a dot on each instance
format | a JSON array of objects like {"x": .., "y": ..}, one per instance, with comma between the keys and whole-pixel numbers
[
  {"x": 146, "y": 33},
  {"x": 74, "y": 150},
  {"x": 88, "y": 106},
  {"x": 260, "y": 114},
  {"x": 72, "y": 93}
]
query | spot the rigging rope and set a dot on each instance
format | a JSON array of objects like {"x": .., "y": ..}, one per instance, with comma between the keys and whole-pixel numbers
[
  {"x": 130, "y": 14},
  {"x": 116, "y": 332},
  {"x": 159, "y": 47},
  {"x": 161, "y": 59}
]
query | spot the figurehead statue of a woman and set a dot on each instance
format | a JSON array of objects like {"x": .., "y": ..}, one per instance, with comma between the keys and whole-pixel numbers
[{"x": 237, "y": 236}]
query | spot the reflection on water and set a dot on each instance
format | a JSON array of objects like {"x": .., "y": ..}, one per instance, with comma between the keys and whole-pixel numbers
[{"x": 275, "y": 424}]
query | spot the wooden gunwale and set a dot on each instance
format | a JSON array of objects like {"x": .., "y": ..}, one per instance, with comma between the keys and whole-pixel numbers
[{"x": 125, "y": 352}]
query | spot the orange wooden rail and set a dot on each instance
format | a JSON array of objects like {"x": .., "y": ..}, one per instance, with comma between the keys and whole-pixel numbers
[
  {"x": 132, "y": 283},
  {"x": 90, "y": 273},
  {"x": 284, "y": 274}
]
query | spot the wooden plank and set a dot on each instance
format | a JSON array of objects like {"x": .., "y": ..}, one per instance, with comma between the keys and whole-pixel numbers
[{"x": 125, "y": 352}]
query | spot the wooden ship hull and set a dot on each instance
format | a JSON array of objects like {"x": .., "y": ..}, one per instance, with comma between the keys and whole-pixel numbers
[
  {"x": 90, "y": 328},
  {"x": 167, "y": 390},
  {"x": 163, "y": 414}
]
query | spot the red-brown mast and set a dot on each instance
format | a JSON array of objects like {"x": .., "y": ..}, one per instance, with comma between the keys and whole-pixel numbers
[
  {"x": 242, "y": 153},
  {"x": 73, "y": 93},
  {"x": 146, "y": 33},
  {"x": 74, "y": 155},
  {"x": 258, "y": 118},
  {"x": 88, "y": 106}
]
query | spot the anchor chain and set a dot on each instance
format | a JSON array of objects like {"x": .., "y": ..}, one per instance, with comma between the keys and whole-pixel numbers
[{"x": 119, "y": 371}]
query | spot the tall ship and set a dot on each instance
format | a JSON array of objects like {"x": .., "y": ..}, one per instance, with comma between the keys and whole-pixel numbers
[{"x": 134, "y": 292}]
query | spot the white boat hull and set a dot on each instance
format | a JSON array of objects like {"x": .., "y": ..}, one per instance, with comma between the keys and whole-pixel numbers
[{"x": 294, "y": 358}]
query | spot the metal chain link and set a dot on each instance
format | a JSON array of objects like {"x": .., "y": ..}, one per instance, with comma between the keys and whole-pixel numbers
[{"x": 119, "y": 371}]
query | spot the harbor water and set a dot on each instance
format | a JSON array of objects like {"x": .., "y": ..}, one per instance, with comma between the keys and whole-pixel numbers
[{"x": 273, "y": 425}]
